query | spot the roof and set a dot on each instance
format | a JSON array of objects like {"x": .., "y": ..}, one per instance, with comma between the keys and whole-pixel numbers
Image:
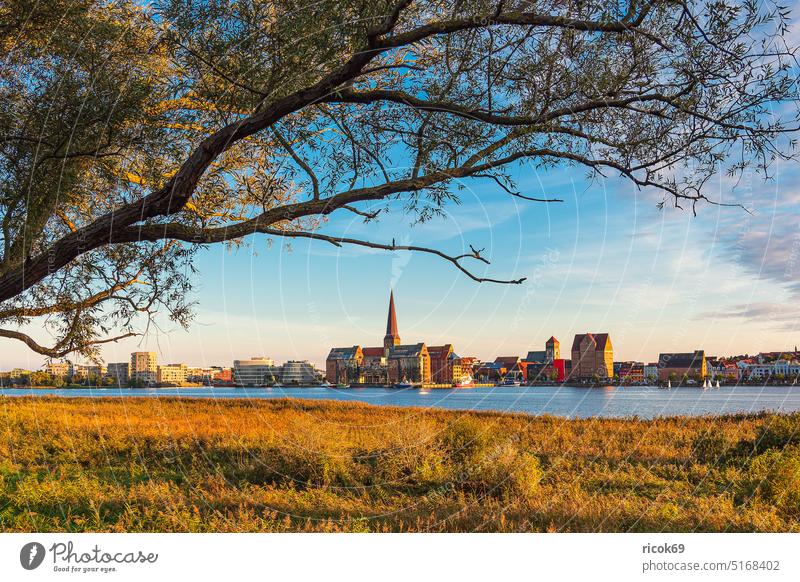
[
  {"x": 507, "y": 360},
  {"x": 552, "y": 340},
  {"x": 493, "y": 365},
  {"x": 343, "y": 353},
  {"x": 372, "y": 352},
  {"x": 601, "y": 339},
  {"x": 536, "y": 357},
  {"x": 440, "y": 351},
  {"x": 391, "y": 320},
  {"x": 407, "y": 350},
  {"x": 681, "y": 359}
]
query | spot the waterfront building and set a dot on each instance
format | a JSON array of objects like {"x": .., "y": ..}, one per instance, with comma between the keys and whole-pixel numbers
[
  {"x": 221, "y": 374},
  {"x": 79, "y": 372},
  {"x": 198, "y": 374},
  {"x": 491, "y": 371},
  {"x": 298, "y": 372},
  {"x": 343, "y": 365},
  {"x": 631, "y": 372},
  {"x": 255, "y": 372},
  {"x": 592, "y": 356},
  {"x": 119, "y": 372},
  {"x": 57, "y": 369},
  {"x": 208, "y": 375},
  {"x": 779, "y": 369},
  {"x": 394, "y": 362},
  {"x": 731, "y": 372},
  {"x": 543, "y": 366},
  {"x": 409, "y": 363},
  {"x": 515, "y": 367},
  {"x": 682, "y": 365},
  {"x": 171, "y": 374},
  {"x": 463, "y": 368},
  {"x": 651, "y": 372},
  {"x": 373, "y": 366},
  {"x": 144, "y": 367},
  {"x": 441, "y": 363}
]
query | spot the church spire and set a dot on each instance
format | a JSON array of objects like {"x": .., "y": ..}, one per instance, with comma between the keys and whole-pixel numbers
[{"x": 392, "y": 337}]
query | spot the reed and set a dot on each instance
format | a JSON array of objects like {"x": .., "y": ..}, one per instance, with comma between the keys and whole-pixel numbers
[{"x": 145, "y": 464}]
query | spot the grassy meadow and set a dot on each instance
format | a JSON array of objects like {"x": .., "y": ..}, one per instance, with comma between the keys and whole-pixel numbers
[{"x": 175, "y": 465}]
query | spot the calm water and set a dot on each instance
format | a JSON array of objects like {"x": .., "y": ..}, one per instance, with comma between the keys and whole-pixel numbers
[{"x": 642, "y": 401}]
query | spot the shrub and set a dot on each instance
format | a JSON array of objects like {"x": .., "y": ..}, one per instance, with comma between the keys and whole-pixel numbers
[
  {"x": 774, "y": 476},
  {"x": 778, "y": 432},
  {"x": 712, "y": 446}
]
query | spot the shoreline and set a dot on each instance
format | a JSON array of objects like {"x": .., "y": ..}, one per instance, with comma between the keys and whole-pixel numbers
[
  {"x": 253, "y": 400},
  {"x": 390, "y": 387}
]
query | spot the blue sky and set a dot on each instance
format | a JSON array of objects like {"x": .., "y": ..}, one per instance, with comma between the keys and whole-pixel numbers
[{"x": 604, "y": 260}]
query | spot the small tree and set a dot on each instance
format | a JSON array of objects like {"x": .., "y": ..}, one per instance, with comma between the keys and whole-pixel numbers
[{"x": 40, "y": 378}]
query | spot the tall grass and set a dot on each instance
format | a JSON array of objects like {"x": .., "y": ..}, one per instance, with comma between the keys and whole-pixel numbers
[{"x": 290, "y": 465}]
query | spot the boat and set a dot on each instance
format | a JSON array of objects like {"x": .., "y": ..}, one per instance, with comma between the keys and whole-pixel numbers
[
  {"x": 342, "y": 385},
  {"x": 717, "y": 385},
  {"x": 464, "y": 383},
  {"x": 325, "y": 384},
  {"x": 706, "y": 384},
  {"x": 509, "y": 382},
  {"x": 669, "y": 384},
  {"x": 404, "y": 383}
]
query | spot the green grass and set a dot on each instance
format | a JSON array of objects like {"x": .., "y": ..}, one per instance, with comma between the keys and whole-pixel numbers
[{"x": 142, "y": 464}]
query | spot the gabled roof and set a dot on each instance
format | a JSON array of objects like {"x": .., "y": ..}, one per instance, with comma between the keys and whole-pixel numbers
[
  {"x": 552, "y": 340},
  {"x": 536, "y": 356},
  {"x": 681, "y": 360},
  {"x": 493, "y": 365},
  {"x": 507, "y": 360},
  {"x": 440, "y": 351},
  {"x": 343, "y": 353},
  {"x": 372, "y": 352},
  {"x": 407, "y": 350}
]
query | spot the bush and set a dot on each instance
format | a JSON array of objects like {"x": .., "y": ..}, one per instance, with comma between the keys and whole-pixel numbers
[
  {"x": 774, "y": 476},
  {"x": 778, "y": 432},
  {"x": 487, "y": 464},
  {"x": 712, "y": 446}
]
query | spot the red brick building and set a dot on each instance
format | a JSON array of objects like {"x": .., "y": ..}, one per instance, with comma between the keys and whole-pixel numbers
[
  {"x": 592, "y": 356},
  {"x": 441, "y": 363}
]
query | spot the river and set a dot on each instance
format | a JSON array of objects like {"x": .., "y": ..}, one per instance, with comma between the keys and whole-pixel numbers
[{"x": 565, "y": 401}]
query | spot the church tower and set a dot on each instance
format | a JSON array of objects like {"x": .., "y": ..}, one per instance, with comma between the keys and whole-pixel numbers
[
  {"x": 552, "y": 350},
  {"x": 392, "y": 338}
]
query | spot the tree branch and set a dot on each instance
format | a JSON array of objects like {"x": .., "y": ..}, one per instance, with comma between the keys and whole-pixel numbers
[{"x": 58, "y": 352}]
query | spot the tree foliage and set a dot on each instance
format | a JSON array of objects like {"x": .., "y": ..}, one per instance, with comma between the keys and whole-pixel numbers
[{"x": 132, "y": 135}]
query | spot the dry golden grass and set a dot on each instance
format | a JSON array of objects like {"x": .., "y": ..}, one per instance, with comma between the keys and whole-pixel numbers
[{"x": 144, "y": 464}]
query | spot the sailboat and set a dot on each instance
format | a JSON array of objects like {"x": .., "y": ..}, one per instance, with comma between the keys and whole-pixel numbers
[
  {"x": 717, "y": 385},
  {"x": 706, "y": 384},
  {"x": 669, "y": 384}
]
